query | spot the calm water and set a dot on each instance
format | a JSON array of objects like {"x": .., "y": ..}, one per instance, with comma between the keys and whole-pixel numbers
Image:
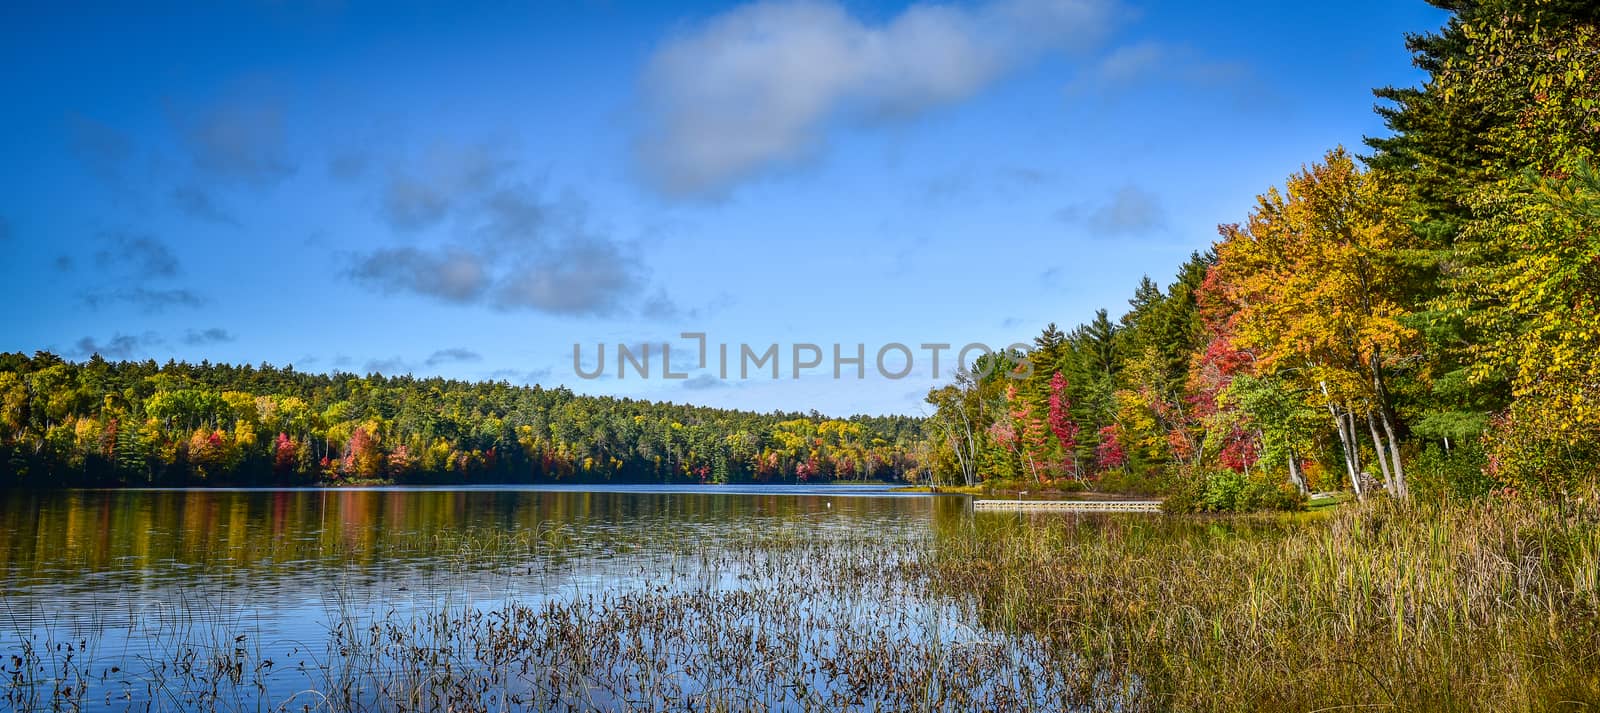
[
  {"x": 271, "y": 557},
  {"x": 126, "y": 579}
]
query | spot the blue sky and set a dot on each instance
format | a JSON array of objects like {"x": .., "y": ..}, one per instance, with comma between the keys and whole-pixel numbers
[{"x": 470, "y": 189}]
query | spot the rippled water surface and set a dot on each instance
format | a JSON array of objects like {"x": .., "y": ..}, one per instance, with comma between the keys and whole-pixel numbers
[
  {"x": 290, "y": 599},
  {"x": 272, "y": 557}
]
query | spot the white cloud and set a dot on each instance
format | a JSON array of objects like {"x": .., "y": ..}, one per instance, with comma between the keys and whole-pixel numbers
[
  {"x": 1149, "y": 62},
  {"x": 242, "y": 140},
  {"x": 121, "y": 346},
  {"x": 1131, "y": 62},
  {"x": 514, "y": 247},
  {"x": 753, "y": 89},
  {"x": 1131, "y": 211}
]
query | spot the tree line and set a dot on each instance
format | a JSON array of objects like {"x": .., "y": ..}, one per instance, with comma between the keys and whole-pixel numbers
[
  {"x": 1423, "y": 319},
  {"x": 139, "y": 423}
]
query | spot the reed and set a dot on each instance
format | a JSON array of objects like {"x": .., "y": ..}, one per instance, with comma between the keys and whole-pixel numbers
[
  {"x": 779, "y": 620},
  {"x": 1491, "y": 606}
]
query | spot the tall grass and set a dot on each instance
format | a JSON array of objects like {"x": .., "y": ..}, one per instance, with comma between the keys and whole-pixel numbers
[
  {"x": 782, "y": 620},
  {"x": 1492, "y": 606}
]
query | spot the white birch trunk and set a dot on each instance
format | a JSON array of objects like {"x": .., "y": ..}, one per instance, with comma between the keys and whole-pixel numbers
[
  {"x": 1295, "y": 475},
  {"x": 1383, "y": 460},
  {"x": 1401, "y": 488},
  {"x": 1344, "y": 442}
]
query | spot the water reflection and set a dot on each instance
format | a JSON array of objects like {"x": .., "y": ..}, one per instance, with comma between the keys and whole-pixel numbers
[
  {"x": 81, "y": 540},
  {"x": 122, "y": 567}
]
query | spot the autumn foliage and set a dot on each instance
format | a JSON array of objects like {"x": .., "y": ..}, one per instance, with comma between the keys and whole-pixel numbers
[{"x": 1423, "y": 319}]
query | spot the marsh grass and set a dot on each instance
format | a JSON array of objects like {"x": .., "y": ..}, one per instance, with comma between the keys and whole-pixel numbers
[
  {"x": 772, "y": 619},
  {"x": 1485, "y": 607}
]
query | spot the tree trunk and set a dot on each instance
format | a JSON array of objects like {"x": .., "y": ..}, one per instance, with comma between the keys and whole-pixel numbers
[
  {"x": 1032, "y": 468},
  {"x": 1353, "y": 439},
  {"x": 959, "y": 445},
  {"x": 961, "y": 457},
  {"x": 1295, "y": 476},
  {"x": 1387, "y": 415},
  {"x": 1344, "y": 442},
  {"x": 1401, "y": 489},
  {"x": 970, "y": 446},
  {"x": 1377, "y": 447}
]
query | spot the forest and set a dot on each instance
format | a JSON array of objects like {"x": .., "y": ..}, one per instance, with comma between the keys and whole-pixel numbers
[
  {"x": 1419, "y": 320},
  {"x": 139, "y": 423}
]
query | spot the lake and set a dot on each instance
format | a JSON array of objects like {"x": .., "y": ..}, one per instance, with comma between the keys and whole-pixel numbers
[{"x": 492, "y": 598}]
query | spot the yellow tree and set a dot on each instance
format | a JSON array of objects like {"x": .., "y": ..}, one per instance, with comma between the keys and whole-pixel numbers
[
  {"x": 1312, "y": 275},
  {"x": 1540, "y": 312}
]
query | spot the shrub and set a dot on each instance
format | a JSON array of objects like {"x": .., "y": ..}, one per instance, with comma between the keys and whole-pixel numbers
[
  {"x": 1131, "y": 482},
  {"x": 1223, "y": 490},
  {"x": 1525, "y": 450},
  {"x": 1457, "y": 474}
]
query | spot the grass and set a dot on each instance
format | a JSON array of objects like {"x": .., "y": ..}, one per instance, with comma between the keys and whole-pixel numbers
[
  {"x": 950, "y": 489},
  {"x": 781, "y": 620},
  {"x": 1013, "y": 488},
  {"x": 1493, "y": 606},
  {"x": 1328, "y": 503}
]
